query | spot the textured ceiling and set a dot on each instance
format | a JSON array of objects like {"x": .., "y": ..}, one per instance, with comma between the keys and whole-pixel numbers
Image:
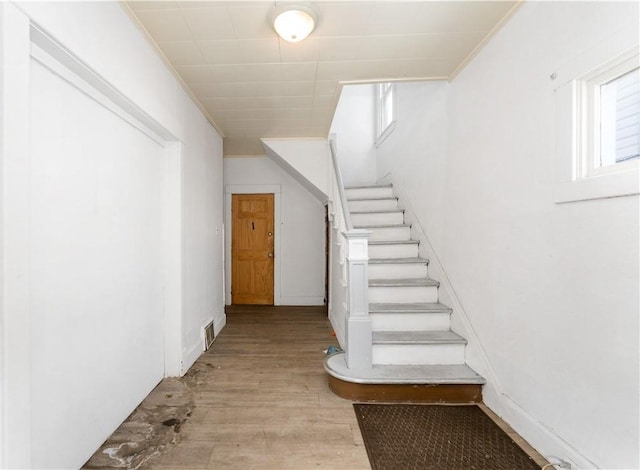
[{"x": 253, "y": 84}]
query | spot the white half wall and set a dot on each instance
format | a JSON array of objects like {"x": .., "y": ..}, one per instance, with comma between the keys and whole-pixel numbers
[
  {"x": 299, "y": 244},
  {"x": 550, "y": 290},
  {"x": 306, "y": 160},
  {"x": 114, "y": 225},
  {"x": 354, "y": 130}
]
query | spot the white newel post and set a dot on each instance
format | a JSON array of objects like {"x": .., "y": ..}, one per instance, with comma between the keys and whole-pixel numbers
[{"x": 358, "y": 328}]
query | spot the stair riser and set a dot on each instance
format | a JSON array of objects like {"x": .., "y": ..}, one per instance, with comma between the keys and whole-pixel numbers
[
  {"x": 425, "y": 354},
  {"x": 393, "y": 251},
  {"x": 366, "y": 193},
  {"x": 390, "y": 234},
  {"x": 380, "y": 218},
  {"x": 403, "y": 294},
  {"x": 373, "y": 205},
  {"x": 397, "y": 271},
  {"x": 410, "y": 321}
]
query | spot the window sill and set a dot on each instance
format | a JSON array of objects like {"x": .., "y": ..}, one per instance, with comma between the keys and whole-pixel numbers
[
  {"x": 386, "y": 133},
  {"x": 623, "y": 183}
]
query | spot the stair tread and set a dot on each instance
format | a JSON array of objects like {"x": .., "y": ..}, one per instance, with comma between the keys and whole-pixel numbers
[
  {"x": 336, "y": 366},
  {"x": 370, "y": 186},
  {"x": 394, "y": 242},
  {"x": 383, "y": 226},
  {"x": 398, "y": 260},
  {"x": 413, "y": 282},
  {"x": 379, "y": 211},
  {"x": 381, "y": 198},
  {"x": 417, "y": 337},
  {"x": 415, "y": 307}
]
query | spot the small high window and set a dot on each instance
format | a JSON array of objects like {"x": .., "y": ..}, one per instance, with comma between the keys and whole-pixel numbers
[
  {"x": 384, "y": 111},
  {"x": 612, "y": 124},
  {"x": 619, "y": 123}
]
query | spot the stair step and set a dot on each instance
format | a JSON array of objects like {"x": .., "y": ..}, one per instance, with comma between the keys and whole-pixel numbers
[
  {"x": 379, "y": 211},
  {"x": 416, "y": 307},
  {"x": 452, "y": 384},
  {"x": 398, "y": 261},
  {"x": 393, "y": 320},
  {"x": 403, "y": 282},
  {"x": 387, "y": 232},
  {"x": 395, "y": 242},
  {"x": 417, "y": 347},
  {"x": 403, "y": 374},
  {"x": 381, "y": 217},
  {"x": 369, "y": 186},
  {"x": 393, "y": 249},
  {"x": 374, "y": 226},
  {"x": 379, "y": 198},
  {"x": 368, "y": 192},
  {"x": 417, "y": 337},
  {"x": 373, "y": 205},
  {"x": 403, "y": 290}
]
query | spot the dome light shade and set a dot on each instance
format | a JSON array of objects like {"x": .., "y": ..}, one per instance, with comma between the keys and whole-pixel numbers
[{"x": 295, "y": 24}]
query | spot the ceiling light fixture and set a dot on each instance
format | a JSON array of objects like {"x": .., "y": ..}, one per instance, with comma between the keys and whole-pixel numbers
[{"x": 294, "y": 23}]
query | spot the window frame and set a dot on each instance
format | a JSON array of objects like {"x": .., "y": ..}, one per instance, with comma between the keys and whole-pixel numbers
[
  {"x": 591, "y": 101},
  {"x": 384, "y": 91},
  {"x": 574, "y": 119}
]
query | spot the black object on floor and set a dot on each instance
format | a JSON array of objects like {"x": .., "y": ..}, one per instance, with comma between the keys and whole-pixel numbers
[{"x": 435, "y": 437}]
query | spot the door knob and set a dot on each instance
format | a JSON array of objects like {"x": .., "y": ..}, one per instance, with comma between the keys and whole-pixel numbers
[{"x": 270, "y": 255}]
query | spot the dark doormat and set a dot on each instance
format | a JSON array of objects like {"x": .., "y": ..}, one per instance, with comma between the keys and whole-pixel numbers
[{"x": 432, "y": 437}]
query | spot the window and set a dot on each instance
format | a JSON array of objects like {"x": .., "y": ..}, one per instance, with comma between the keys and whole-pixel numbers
[
  {"x": 598, "y": 126},
  {"x": 384, "y": 111},
  {"x": 613, "y": 126}
]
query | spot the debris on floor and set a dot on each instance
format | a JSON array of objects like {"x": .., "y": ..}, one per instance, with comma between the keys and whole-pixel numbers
[
  {"x": 332, "y": 350},
  {"x": 155, "y": 425}
]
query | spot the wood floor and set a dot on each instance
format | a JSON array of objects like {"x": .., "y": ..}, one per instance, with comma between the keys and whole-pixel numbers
[{"x": 258, "y": 399}]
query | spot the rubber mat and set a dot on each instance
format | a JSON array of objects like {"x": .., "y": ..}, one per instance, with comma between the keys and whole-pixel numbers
[{"x": 433, "y": 437}]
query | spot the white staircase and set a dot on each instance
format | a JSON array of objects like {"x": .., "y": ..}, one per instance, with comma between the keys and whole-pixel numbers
[{"x": 412, "y": 341}]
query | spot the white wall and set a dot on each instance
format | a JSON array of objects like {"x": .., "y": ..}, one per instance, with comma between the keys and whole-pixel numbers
[
  {"x": 307, "y": 160},
  {"x": 90, "y": 206},
  {"x": 299, "y": 244},
  {"x": 550, "y": 290},
  {"x": 355, "y": 135},
  {"x": 202, "y": 237}
]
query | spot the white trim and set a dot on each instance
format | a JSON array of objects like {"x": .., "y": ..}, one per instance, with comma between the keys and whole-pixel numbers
[
  {"x": 623, "y": 183},
  {"x": 219, "y": 322},
  {"x": 15, "y": 344},
  {"x": 387, "y": 132},
  {"x": 172, "y": 215},
  {"x": 71, "y": 68},
  {"x": 383, "y": 132},
  {"x": 274, "y": 189},
  {"x": 541, "y": 437},
  {"x": 191, "y": 354},
  {"x": 575, "y": 180}
]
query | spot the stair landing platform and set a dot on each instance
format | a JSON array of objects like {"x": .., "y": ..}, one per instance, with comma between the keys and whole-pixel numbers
[{"x": 444, "y": 384}]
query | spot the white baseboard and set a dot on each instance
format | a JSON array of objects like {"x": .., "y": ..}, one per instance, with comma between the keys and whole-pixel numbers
[
  {"x": 543, "y": 439},
  {"x": 219, "y": 323},
  {"x": 190, "y": 355}
]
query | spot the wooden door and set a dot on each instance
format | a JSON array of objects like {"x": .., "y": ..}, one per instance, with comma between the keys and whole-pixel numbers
[{"x": 252, "y": 249}]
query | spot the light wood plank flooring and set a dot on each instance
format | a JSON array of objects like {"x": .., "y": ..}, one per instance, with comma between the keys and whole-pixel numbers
[{"x": 258, "y": 399}]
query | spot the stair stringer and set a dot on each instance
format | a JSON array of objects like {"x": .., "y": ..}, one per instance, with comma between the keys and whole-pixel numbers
[{"x": 475, "y": 355}]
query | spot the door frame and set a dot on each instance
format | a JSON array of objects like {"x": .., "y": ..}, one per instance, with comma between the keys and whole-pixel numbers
[{"x": 229, "y": 190}]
